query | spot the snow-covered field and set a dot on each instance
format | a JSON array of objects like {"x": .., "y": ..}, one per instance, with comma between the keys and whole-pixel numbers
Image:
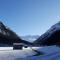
[
  {"x": 7, "y": 53},
  {"x": 50, "y": 53}
]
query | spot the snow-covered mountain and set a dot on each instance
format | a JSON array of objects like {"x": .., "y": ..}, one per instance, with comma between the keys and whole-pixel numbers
[
  {"x": 30, "y": 38},
  {"x": 51, "y": 36}
]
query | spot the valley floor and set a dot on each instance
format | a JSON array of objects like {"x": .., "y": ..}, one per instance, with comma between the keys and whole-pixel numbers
[{"x": 49, "y": 53}]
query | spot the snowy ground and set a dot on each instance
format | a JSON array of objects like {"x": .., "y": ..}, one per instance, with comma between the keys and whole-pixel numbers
[
  {"x": 7, "y": 53},
  {"x": 50, "y": 53}
]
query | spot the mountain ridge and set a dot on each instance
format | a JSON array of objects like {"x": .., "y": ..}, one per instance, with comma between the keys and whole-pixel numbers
[
  {"x": 50, "y": 36},
  {"x": 30, "y": 38}
]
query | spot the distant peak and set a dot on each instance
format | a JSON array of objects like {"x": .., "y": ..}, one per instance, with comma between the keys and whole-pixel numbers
[
  {"x": 1, "y": 22},
  {"x": 58, "y": 23}
]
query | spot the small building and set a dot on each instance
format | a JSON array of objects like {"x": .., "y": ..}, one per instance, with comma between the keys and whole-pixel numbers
[{"x": 19, "y": 46}]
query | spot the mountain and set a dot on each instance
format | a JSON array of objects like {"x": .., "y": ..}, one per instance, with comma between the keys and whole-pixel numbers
[
  {"x": 30, "y": 38},
  {"x": 8, "y": 37},
  {"x": 50, "y": 37}
]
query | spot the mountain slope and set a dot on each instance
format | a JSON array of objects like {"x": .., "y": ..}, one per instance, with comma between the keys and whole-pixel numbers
[
  {"x": 7, "y": 36},
  {"x": 51, "y": 37}
]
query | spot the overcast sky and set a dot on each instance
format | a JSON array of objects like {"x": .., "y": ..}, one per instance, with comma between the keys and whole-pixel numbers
[{"x": 29, "y": 17}]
